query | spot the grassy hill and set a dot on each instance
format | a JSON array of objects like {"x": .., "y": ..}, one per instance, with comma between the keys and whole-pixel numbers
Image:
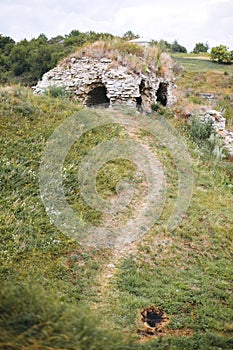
[
  {"x": 59, "y": 294},
  {"x": 200, "y": 75}
]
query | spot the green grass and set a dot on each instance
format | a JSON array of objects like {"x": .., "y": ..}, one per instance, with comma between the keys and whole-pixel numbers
[
  {"x": 201, "y": 63},
  {"x": 204, "y": 76},
  {"x": 187, "y": 272},
  {"x": 49, "y": 281}
]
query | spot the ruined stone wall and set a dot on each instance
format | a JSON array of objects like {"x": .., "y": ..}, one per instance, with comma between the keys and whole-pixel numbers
[
  {"x": 219, "y": 123},
  {"x": 122, "y": 85}
]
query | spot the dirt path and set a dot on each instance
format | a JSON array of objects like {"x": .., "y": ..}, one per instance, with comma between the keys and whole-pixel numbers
[{"x": 122, "y": 250}]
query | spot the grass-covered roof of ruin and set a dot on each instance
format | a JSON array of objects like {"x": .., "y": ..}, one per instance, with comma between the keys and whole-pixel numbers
[{"x": 137, "y": 58}]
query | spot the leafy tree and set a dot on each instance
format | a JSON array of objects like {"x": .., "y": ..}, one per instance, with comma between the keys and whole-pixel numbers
[
  {"x": 221, "y": 54},
  {"x": 175, "y": 47},
  {"x": 59, "y": 39},
  {"x": 201, "y": 47},
  {"x": 129, "y": 35},
  {"x": 77, "y": 38},
  {"x": 4, "y": 41},
  {"x": 164, "y": 45},
  {"x": 19, "y": 57}
]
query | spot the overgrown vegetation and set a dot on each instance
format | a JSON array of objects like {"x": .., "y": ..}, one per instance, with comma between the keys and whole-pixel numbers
[
  {"x": 26, "y": 61},
  {"x": 49, "y": 285},
  {"x": 127, "y": 54},
  {"x": 200, "y": 75},
  {"x": 49, "y": 281},
  {"x": 205, "y": 136}
]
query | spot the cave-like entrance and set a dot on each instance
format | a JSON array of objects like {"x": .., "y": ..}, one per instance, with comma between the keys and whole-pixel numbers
[
  {"x": 139, "y": 99},
  {"x": 162, "y": 94},
  {"x": 97, "y": 96}
]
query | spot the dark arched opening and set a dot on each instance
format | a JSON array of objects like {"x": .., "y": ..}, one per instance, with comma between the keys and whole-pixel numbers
[
  {"x": 139, "y": 101},
  {"x": 139, "y": 98},
  {"x": 162, "y": 94},
  {"x": 98, "y": 95}
]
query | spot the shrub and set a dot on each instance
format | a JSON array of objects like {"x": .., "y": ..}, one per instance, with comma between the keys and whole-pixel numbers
[
  {"x": 221, "y": 54},
  {"x": 25, "y": 108},
  {"x": 201, "y": 47},
  {"x": 199, "y": 129},
  {"x": 57, "y": 91},
  {"x": 204, "y": 135},
  {"x": 162, "y": 110}
]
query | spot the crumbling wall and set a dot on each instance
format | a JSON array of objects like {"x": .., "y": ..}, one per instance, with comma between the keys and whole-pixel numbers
[
  {"x": 219, "y": 123},
  {"x": 122, "y": 85}
]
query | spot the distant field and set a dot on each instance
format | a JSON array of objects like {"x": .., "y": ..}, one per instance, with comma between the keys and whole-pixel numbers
[{"x": 201, "y": 63}]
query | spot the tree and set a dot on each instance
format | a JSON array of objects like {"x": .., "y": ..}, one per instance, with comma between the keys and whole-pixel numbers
[
  {"x": 164, "y": 45},
  {"x": 175, "y": 47},
  {"x": 129, "y": 35},
  {"x": 221, "y": 54},
  {"x": 201, "y": 47},
  {"x": 26, "y": 61},
  {"x": 19, "y": 58},
  {"x": 59, "y": 39},
  {"x": 4, "y": 41}
]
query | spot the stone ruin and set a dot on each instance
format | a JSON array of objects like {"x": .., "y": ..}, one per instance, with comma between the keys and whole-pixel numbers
[
  {"x": 219, "y": 123},
  {"x": 94, "y": 81}
]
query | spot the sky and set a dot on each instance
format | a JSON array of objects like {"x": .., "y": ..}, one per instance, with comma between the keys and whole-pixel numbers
[{"x": 188, "y": 21}]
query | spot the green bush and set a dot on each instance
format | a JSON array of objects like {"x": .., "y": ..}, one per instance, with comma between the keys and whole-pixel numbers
[
  {"x": 57, "y": 91},
  {"x": 221, "y": 54},
  {"x": 162, "y": 110},
  {"x": 25, "y": 108},
  {"x": 199, "y": 129},
  {"x": 201, "y": 47},
  {"x": 204, "y": 135}
]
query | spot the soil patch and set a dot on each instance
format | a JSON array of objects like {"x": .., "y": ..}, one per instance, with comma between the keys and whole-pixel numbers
[{"x": 154, "y": 320}]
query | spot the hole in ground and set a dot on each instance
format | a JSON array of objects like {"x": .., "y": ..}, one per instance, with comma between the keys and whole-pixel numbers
[
  {"x": 152, "y": 316},
  {"x": 155, "y": 322}
]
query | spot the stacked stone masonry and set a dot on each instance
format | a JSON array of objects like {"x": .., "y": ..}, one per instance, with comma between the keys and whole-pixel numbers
[
  {"x": 219, "y": 125},
  {"x": 115, "y": 84}
]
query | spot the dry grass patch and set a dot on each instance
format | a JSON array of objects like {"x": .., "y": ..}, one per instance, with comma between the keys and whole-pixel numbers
[{"x": 120, "y": 52}]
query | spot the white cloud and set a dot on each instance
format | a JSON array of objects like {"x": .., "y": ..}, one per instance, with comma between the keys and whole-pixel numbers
[{"x": 189, "y": 22}]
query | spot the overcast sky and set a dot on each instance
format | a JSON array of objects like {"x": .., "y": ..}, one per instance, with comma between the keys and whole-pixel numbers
[{"x": 188, "y": 21}]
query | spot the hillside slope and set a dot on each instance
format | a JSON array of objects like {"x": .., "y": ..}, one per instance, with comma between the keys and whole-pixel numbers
[{"x": 58, "y": 294}]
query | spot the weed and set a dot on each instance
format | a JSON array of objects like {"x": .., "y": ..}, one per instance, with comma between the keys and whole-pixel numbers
[
  {"x": 200, "y": 130},
  {"x": 162, "y": 110},
  {"x": 204, "y": 135},
  {"x": 46, "y": 277},
  {"x": 128, "y": 54},
  {"x": 196, "y": 100},
  {"x": 226, "y": 107},
  {"x": 57, "y": 91}
]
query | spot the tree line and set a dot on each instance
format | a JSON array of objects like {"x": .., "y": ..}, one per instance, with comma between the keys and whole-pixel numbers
[{"x": 26, "y": 61}]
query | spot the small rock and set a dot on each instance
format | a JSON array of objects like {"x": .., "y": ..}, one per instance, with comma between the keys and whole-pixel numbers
[{"x": 112, "y": 266}]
